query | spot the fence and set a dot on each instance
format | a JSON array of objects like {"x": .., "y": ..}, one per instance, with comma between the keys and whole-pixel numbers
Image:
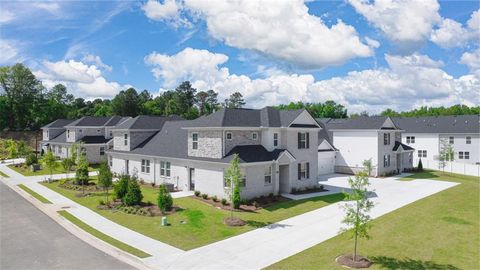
[{"x": 453, "y": 167}]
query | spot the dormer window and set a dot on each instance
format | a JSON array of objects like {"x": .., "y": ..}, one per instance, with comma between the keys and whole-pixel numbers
[
  {"x": 194, "y": 141},
  {"x": 125, "y": 139},
  {"x": 254, "y": 136},
  {"x": 386, "y": 138},
  {"x": 275, "y": 139},
  {"x": 228, "y": 136}
]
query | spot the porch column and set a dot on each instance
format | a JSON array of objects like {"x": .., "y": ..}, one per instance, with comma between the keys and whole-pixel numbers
[{"x": 276, "y": 182}]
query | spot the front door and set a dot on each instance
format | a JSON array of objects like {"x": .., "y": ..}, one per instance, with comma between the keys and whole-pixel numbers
[
  {"x": 284, "y": 177},
  {"x": 191, "y": 178}
]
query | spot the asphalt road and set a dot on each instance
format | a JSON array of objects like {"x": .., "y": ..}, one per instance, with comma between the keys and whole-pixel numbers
[{"x": 31, "y": 240}]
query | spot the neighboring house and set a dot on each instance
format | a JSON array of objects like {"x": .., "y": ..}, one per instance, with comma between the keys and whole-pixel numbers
[
  {"x": 93, "y": 134},
  {"x": 426, "y": 134},
  {"x": 278, "y": 151},
  {"x": 361, "y": 138}
]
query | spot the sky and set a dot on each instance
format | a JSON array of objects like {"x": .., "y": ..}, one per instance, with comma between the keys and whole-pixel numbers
[{"x": 366, "y": 55}]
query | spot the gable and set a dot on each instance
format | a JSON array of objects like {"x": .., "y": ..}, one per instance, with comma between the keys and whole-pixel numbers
[
  {"x": 325, "y": 146},
  {"x": 388, "y": 124},
  {"x": 304, "y": 118}
]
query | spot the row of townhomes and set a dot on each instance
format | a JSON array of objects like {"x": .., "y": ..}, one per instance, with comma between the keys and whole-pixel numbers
[{"x": 278, "y": 149}]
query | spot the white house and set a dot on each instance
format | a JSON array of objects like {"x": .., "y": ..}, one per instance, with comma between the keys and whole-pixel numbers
[
  {"x": 376, "y": 138},
  {"x": 426, "y": 135}
]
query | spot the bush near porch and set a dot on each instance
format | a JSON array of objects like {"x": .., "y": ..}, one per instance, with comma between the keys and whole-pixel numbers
[
  {"x": 437, "y": 232},
  {"x": 196, "y": 223}
]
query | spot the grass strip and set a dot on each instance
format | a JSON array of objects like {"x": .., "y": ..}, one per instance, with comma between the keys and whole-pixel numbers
[
  {"x": 3, "y": 175},
  {"x": 112, "y": 241},
  {"x": 34, "y": 194}
]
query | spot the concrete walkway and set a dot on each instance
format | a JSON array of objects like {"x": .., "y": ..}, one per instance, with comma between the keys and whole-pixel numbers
[{"x": 258, "y": 248}]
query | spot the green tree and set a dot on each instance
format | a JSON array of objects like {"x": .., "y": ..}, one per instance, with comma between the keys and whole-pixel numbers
[
  {"x": 22, "y": 93},
  {"x": 356, "y": 218},
  {"x": 31, "y": 159},
  {"x": 81, "y": 173},
  {"x": 134, "y": 193},
  {"x": 121, "y": 187},
  {"x": 235, "y": 101},
  {"x": 233, "y": 178},
  {"x": 445, "y": 154},
  {"x": 12, "y": 148},
  {"x": 23, "y": 149},
  {"x": 207, "y": 101},
  {"x": 185, "y": 98},
  {"x": 126, "y": 103},
  {"x": 165, "y": 201},
  {"x": 105, "y": 178},
  {"x": 367, "y": 164},
  {"x": 420, "y": 165},
  {"x": 50, "y": 162},
  {"x": 67, "y": 164}
]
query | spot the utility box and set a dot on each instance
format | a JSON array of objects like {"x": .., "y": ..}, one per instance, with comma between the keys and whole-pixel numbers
[{"x": 164, "y": 221}]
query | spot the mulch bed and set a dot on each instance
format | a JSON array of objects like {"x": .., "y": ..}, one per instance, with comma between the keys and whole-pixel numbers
[
  {"x": 252, "y": 206},
  {"x": 311, "y": 190},
  {"x": 234, "y": 222},
  {"x": 143, "y": 209},
  {"x": 347, "y": 261}
]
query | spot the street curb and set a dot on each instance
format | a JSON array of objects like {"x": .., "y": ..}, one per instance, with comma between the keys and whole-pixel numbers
[{"x": 51, "y": 211}]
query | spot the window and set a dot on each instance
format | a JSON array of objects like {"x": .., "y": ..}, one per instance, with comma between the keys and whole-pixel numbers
[
  {"x": 254, "y": 136},
  {"x": 229, "y": 136},
  {"x": 386, "y": 138},
  {"x": 80, "y": 131},
  {"x": 451, "y": 140},
  {"x": 102, "y": 151},
  {"x": 303, "y": 140},
  {"x": 422, "y": 153},
  {"x": 467, "y": 155},
  {"x": 194, "y": 140},
  {"x": 303, "y": 170},
  {"x": 68, "y": 133},
  {"x": 468, "y": 140},
  {"x": 410, "y": 139},
  {"x": 125, "y": 139},
  {"x": 47, "y": 133},
  {"x": 268, "y": 175},
  {"x": 110, "y": 133},
  {"x": 275, "y": 139},
  {"x": 386, "y": 161},
  {"x": 98, "y": 131},
  {"x": 463, "y": 155},
  {"x": 165, "y": 168},
  {"x": 145, "y": 166},
  {"x": 110, "y": 161}
]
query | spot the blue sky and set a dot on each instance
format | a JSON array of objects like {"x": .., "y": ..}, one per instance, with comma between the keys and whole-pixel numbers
[{"x": 367, "y": 55}]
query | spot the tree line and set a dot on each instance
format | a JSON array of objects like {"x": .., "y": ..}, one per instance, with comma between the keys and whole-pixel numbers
[{"x": 25, "y": 104}]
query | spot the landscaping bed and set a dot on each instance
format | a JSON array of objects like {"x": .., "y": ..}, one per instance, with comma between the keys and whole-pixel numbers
[
  {"x": 25, "y": 170},
  {"x": 245, "y": 206},
  {"x": 308, "y": 190}
]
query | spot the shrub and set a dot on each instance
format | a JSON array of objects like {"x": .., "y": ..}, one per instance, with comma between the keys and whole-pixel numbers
[
  {"x": 121, "y": 187},
  {"x": 224, "y": 201},
  {"x": 31, "y": 159},
  {"x": 294, "y": 190},
  {"x": 134, "y": 193},
  {"x": 81, "y": 174},
  {"x": 205, "y": 196},
  {"x": 420, "y": 165},
  {"x": 270, "y": 195},
  {"x": 243, "y": 202},
  {"x": 197, "y": 193},
  {"x": 165, "y": 201},
  {"x": 215, "y": 199},
  {"x": 101, "y": 202},
  {"x": 322, "y": 187},
  {"x": 236, "y": 198}
]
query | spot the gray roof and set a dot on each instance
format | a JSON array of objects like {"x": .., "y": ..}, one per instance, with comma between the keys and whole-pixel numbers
[
  {"x": 94, "y": 139},
  {"x": 404, "y": 146},
  {"x": 361, "y": 122},
  {"x": 61, "y": 138},
  {"x": 254, "y": 153},
  {"x": 439, "y": 124},
  {"x": 59, "y": 123},
  {"x": 147, "y": 122},
  {"x": 323, "y": 134},
  {"x": 266, "y": 117},
  {"x": 92, "y": 121}
]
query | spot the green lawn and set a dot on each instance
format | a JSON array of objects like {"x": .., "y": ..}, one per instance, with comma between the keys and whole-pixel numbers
[
  {"x": 34, "y": 194},
  {"x": 102, "y": 236},
  {"x": 3, "y": 175},
  {"x": 58, "y": 170},
  {"x": 204, "y": 223},
  {"x": 438, "y": 232}
]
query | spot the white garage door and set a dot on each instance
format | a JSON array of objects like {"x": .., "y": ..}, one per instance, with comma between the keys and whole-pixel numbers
[{"x": 326, "y": 162}]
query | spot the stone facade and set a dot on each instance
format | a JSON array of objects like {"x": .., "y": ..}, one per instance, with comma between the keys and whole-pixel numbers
[
  {"x": 209, "y": 144},
  {"x": 241, "y": 137}
]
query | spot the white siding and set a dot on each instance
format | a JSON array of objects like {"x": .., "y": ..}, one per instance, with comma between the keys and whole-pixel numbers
[{"x": 355, "y": 147}]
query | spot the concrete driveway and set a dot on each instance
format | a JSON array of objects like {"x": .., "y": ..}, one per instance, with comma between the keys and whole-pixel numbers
[{"x": 31, "y": 240}]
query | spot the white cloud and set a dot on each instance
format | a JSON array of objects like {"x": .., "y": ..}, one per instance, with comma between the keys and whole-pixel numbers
[
  {"x": 408, "y": 82},
  {"x": 81, "y": 79},
  {"x": 9, "y": 52},
  {"x": 452, "y": 34},
  {"x": 372, "y": 42},
  {"x": 6, "y": 16},
  {"x": 95, "y": 59},
  {"x": 168, "y": 11},
  {"x": 408, "y": 23},
  {"x": 51, "y": 7},
  {"x": 280, "y": 29},
  {"x": 188, "y": 64},
  {"x": 472, "y": 60}
]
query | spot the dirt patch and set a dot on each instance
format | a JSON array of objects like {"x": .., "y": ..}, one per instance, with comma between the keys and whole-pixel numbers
[
  {"x": 347, "y": 261},
  {"x": 234, "y": 222}
]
